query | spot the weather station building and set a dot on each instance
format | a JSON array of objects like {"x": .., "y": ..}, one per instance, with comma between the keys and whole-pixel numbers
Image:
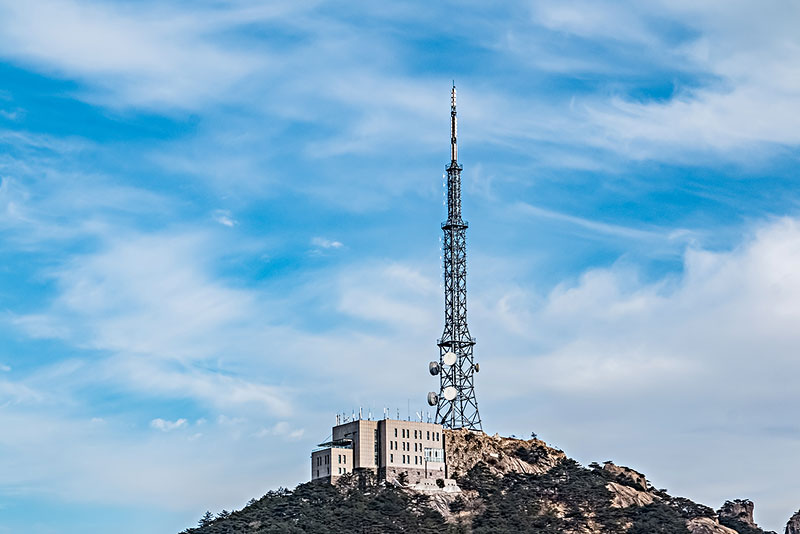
[{"x": 413, "y": 452}]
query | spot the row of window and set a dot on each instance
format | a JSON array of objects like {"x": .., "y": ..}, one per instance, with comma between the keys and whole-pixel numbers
[
  {"x": 406, "y": 433},
  {"x": 325, "y": 460},
  {"x": 317, "y": 471},
  {"x": 405, "y": 445},
  {"x": 342, "y": 470},
  {"x": 406, "y": 459}
]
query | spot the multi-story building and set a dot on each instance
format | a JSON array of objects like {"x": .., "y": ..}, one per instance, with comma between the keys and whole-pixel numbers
[{"x": 387, "y": 447}]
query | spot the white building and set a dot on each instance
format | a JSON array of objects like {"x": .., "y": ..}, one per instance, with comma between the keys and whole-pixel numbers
[{"x": 387, "y": 447}]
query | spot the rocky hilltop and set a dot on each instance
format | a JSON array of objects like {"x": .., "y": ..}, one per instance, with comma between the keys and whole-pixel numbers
[{"x": 503, "y": 485}]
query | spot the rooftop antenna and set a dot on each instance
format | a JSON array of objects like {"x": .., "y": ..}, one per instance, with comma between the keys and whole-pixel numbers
[{"x": 456, "y": 404}]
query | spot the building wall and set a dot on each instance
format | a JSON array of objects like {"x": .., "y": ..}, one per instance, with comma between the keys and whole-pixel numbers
[
  {"x": 404, "y": 443},
  {"x": 363, "y": 434},
  {"x": 331, "y": 463}
]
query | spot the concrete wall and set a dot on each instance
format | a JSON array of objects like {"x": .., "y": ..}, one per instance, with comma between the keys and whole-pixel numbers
[
  {"x": 331, "y": 463},
  {"x": 362, "y": 432}
]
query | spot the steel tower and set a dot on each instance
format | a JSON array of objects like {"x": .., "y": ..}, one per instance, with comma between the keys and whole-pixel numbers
[{"x": 456, "y": 405}]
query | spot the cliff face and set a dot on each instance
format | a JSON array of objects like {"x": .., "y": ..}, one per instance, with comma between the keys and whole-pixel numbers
[{"x": 505, "y": 485}]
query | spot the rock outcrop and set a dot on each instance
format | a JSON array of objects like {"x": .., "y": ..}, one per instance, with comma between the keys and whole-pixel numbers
[
  {"x": 625, "y": 496},
  {"x": 465, "y": 449},
  {"x": 793, "y": 526},
  {"x": 706, "y": 525},
  {"x": 627, "y": 475},
  {"x": 740, "y": 510}
]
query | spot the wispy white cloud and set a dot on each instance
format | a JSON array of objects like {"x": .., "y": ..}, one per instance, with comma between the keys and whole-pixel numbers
[
  {"x": 224, "y": 218},
  {"x": 150, "y": 55},
  {"x": 168, "y": 426},
  {"x": 595, "y": 226},
  {"x": 748, "y": 58},
  {"x": 323, "y": 242}
]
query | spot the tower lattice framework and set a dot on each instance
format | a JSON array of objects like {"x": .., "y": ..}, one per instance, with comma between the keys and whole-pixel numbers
[{"x": 456, "y": 407}]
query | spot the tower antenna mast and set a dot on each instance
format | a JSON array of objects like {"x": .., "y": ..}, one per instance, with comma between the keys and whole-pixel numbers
[{"x": 456, "y": 405}]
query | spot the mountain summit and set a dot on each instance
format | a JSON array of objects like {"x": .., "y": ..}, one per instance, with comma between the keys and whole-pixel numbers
[{"x": 504, "y": 485}]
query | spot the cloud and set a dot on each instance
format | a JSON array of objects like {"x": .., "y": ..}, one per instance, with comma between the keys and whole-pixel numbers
[
  {"x": 147, "y": 56},
  {"x": 322, "y": 242},
  {"x": 224, "y": 218},
  {"x": 746, "y": 59},
  {"x": 593, "y": 226},
  {"x": 282, "y": 429},
  {"x": 168, "y": 426},
  {"x": 150, "y": 305}
]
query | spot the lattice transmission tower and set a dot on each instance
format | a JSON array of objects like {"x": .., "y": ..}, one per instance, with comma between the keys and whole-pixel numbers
[{"x": 456, "y": 405}]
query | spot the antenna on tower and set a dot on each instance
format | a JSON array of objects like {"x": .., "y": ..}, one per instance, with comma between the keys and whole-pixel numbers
[{"x": 453, "y": 126}]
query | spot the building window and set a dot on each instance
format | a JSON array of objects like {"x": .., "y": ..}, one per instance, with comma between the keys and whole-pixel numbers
[
  {"x": 344, "y": 459},
  {"x": 429, "y": 435},
  {"x": 391, "y": 457}
]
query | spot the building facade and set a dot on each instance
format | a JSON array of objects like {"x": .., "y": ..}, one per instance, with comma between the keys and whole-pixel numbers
[{"x": 394, "y": 450}]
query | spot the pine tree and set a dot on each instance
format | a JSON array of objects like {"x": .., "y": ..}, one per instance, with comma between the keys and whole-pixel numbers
[{"x": 206, "y": 520}]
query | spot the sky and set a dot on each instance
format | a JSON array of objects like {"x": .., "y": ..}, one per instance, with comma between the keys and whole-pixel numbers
[{"x": 219, "y": 227}]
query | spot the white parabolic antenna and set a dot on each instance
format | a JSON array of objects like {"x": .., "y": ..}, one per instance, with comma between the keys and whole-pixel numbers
[
  {"x": 449, "y": 358},
  {"x": 450, "y": 392}
]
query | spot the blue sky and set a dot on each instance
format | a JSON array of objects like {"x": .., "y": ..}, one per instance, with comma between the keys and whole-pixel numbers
[{"x": 219, "y": 226}]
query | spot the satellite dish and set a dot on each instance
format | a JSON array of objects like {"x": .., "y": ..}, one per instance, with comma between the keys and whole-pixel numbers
[
  {"x": 433, "y": 367},
  {"x": 449, "y": 358},
  {"x": 433, "y": 398},
  {"x": 477, "y": 367},
  {"x": 450, "y": 393}
]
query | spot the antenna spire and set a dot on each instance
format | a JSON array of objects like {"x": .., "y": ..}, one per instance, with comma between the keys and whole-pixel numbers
[{"x": 453, "y": 126}]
